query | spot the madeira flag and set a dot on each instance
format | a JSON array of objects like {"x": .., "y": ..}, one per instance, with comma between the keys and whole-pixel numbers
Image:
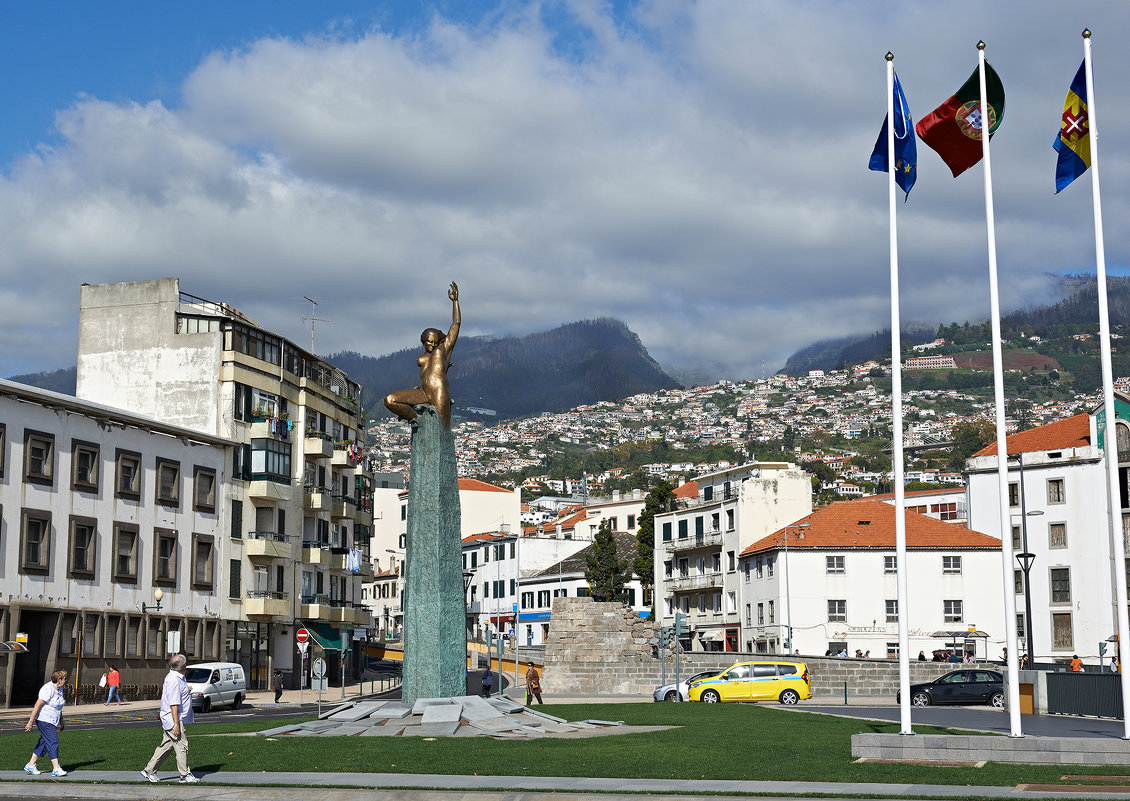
[
  {"x": 1074, "y": 140},
  {"x": 953, "y": 129},
  {"x": 906, "y": 151}
]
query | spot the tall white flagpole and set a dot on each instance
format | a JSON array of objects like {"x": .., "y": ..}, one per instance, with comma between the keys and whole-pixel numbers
[
  {"x": 896, "y": 413},
  {"x": 1111, "y": 449},
  {"x": 1002, "y": 443}
]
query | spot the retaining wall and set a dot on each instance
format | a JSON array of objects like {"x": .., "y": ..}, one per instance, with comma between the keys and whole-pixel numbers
[{"x": 983, "y": 748}]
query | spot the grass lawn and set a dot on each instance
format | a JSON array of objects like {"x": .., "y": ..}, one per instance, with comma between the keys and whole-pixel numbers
[{"x": 714, "y": 741}]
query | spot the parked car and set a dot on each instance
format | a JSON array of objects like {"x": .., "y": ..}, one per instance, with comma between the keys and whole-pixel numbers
[
  {"x": 666, "y": 692},
  {"x": 787, "y": 682},
  {"x": 974, "y": 686},
  {"x": 214, "y": 683}
]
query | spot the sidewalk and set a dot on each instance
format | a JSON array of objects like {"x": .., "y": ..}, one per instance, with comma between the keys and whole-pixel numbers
[{"x": 434, "y": 787}]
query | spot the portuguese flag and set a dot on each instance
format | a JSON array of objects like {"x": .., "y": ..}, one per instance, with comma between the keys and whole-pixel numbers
[{"x": 953, "y": 129}]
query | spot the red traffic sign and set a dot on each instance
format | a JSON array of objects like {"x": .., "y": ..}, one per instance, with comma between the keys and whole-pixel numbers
[{"x": 302, "y": 635}]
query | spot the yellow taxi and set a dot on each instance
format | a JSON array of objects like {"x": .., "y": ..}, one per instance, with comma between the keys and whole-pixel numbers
[{"x": 787, "y": 682}]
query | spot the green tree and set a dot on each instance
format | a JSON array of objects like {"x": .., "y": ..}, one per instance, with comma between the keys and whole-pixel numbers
[
  {"x": 660, "y": 499},
  {"x": 605, "y": 572},
  {"x": 968, "y": 438}
]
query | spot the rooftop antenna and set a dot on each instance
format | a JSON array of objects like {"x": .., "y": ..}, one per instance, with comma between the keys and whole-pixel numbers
[{"x": 313, "y": 318}]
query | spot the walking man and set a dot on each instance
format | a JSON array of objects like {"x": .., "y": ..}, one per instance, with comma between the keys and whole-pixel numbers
[
  {"x": 277, "y": 685},
  {"x": 176, "y": 712}
]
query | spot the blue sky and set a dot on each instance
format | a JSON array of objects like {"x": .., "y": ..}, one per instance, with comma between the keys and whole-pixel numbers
[{"x": 698, "y": 170}]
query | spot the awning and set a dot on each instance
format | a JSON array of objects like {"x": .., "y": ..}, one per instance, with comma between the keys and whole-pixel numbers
[
  {"x": 718, "y": 635},
  {"x": 960, "y": 635},
  {"x": 329, "y": 638}
]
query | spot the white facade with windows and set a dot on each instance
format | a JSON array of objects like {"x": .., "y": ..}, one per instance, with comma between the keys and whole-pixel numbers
[
  {"x": 839, "y": 581},
  {"x": 99, "y": 508},
  {"x": 1058, "y": 512}
]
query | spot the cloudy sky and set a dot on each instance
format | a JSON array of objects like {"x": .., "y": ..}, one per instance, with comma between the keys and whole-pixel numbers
[{"x": 698, "y": 170}]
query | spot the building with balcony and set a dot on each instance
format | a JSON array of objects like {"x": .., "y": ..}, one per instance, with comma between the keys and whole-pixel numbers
[
  {"x": 298, "y": 516},
  {"x": 697, "y": 545},
  {"x": 99, "y": 509},
  {"x": 837, "y": 583}
]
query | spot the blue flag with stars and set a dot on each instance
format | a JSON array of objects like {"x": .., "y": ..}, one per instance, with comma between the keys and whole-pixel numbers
[{"x": 906, "y": 150}]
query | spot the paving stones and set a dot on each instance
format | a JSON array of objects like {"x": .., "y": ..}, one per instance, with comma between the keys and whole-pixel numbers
[{"x": 462, "y": 716}]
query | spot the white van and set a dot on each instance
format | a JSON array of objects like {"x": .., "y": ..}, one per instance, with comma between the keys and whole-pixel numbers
[{"x": 215, "y": 683}]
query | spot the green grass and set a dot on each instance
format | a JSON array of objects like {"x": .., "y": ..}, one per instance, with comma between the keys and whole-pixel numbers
[{"x": 728, "y": 741}]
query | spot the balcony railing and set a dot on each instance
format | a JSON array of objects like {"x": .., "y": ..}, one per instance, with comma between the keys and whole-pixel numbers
[
  {"x": 268, "y": 594},
  {"x": 319, "y": 598},
  {"x": 703, "y": 540},
  {"x": 267, "y": 535},
  {"x": 696, "y": 582}
]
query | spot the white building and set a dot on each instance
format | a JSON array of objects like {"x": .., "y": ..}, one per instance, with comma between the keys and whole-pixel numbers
[
  {"x": 945, "y": 503},
  {"x": 300, "y": 509},
  {"x": 838, "y": 583},
  {"x": 1058, "y": 511},
  {"x": 696, "y": 546},
  {"x": 100, "y": 509}
]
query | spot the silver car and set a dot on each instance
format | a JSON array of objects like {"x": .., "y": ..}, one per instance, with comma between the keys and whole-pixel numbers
[{"x": 666, "y": 692}]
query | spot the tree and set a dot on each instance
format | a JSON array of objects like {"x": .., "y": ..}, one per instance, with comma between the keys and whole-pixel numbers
[
  {"x": 605, "y": 573},
  {"x": 660, "y": 499},
  {"x": 968, "y": 438}
]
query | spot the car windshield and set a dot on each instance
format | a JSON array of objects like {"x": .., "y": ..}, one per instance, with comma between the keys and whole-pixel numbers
[{"x": 197, "y": 675}]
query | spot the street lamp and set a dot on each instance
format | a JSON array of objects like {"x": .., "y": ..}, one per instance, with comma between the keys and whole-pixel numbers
[
  {"x": 800, "y": 527},
  {"x": 157, "y": 596},
  {"x": 1026, "y": 558}
]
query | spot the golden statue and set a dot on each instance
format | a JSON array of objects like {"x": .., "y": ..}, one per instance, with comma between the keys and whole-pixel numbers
[{"x": 433, "y": 387}]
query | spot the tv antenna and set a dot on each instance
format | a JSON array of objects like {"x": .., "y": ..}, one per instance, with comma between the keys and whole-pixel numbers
[{"x": 313, "y": 318}]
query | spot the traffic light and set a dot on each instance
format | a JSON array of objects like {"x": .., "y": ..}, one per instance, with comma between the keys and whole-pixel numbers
[
  {"x": 665, "y": 636},
  {"x": 1102, "y": 648},
  {"x": 680, "y": 624}
]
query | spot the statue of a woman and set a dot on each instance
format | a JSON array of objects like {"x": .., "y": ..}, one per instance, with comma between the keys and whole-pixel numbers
[{"x": 433, "y": 363}]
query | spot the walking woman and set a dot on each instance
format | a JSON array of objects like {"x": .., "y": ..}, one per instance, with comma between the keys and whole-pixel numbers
[{"x": 47, "y": 714}]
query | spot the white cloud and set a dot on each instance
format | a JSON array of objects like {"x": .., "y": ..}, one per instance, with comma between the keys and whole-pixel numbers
[{"x": 698, "y": 171}]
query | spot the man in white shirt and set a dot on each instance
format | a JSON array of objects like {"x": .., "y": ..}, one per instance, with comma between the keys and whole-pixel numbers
[{"x": 176, "y": 712}]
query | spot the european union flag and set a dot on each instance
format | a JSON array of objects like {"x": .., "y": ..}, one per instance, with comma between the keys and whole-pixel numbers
[
  {"x": 906, "y": 150},
  {"x": 1074, "y": 139}
]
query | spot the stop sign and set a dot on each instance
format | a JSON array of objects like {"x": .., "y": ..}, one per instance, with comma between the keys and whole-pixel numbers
[{"x": 302, "y": 635}]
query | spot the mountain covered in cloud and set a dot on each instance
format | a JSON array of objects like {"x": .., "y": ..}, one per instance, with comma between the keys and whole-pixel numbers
[{"x": 574, "y": 364}]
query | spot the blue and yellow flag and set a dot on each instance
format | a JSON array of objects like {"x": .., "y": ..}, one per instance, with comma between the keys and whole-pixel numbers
[
  {"x": 906, "y": 151},
  {"x": 1074, "y": 140}
]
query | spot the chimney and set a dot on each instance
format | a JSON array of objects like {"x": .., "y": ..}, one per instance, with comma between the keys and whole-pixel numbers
[{"x": 615, "y": 495}]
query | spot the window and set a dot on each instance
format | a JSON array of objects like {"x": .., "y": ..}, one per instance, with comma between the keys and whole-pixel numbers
[
  {"x": 1057, "y": 535},
  {"x": 133, "y": 636},
  {"x": 770, "y": 611},
  {"x": 486, "y": 554},
  {"x": 1017, "y": 542},
  {"x": 204, "y": 489},
  {"x": 1061, "y": 585},
  {"x": 951, "y": 611},
  {"x": 837, "y": 611},
  {"x": 1014, "y": 494},
  {"x": 203, "y": 551},
  {"x": 127, "y": 480},
  {"x": 684, "y": 567},
  {"x": 1055, "y": 491},
  {"x": 666, "y": 532},
  {"x": 241, "y": 462},
  {"x": 730, "y": 561},
  {"x": 237, "y": 520},
  {"x": 631, "y": 522},
  {"x": 35, "y": 541},
  {"x": 39, "y": 457},
  {"x": 1021, "y": 632},
  {"x": 951, "y": 565},
  {"x": 893, "y": 611},
  {"x": 234, "y": 566},
  {"x": 890, "y": 564},
  {"x": 748, "y": 615},
  {"x": 270, "y": 460},
  {"x": 729, "y": 519},
  {"x": 3, "y": 448},
  {"x": 668, "y": 568},
  {"x": 760, "y": 568},
  {"x": 745, "y": 569},
  {"x": 613, "y": 523},
  {"x": 1018, "y": 581},
  {"x": 834, "y": 564},
  {"x": 84, "y": 465},
  {"x": 168, "y": 482},
  {"x": 125, "y": 553},
  {"x": 701, "y": 602},
  {"x": 769, "y": 566},
  {"x": 1061, "y": 631},
  {"x": 761, "y": 614},
  {"x": 731, "y": 602},
  {"x": 707, "y": 493},
  {"x": 543, "y": 599},
  {"x": 164, "y": 557},
  {"x": 682, "y": 529},
  {"x": 527, "y": 600},
  {"x": 716, "y": 563},
  {"x": 81, "y": 550},
  {"x": 699, "y": 526}
]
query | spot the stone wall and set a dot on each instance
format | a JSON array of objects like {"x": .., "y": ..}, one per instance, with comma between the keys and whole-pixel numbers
[{"x": 598, "y": 648}]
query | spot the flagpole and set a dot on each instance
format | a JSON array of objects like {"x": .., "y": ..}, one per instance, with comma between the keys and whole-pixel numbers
[
  {"x": 1002, "y": 442},
  {"x": 896, "y": 412},
  {"x": 1111, "y": 449}
]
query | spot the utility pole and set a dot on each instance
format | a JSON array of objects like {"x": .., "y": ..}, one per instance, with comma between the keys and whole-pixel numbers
[{"x": 313, "y": 318}]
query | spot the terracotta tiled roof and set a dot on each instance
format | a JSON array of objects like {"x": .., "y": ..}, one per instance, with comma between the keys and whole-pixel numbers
[
  {"x": 1073, "y": 432},
  {"x": 688, "y": 490},
  {"x": 474, "y": 485},
  {"x": 484, "y": 536},
  {"x": 871, "y": 524}
]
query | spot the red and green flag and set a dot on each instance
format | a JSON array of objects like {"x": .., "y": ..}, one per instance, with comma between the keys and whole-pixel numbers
[{"x": 953, "y": 129}]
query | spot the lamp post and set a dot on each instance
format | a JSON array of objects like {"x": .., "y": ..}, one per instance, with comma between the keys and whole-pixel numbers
[
  {"x": 800, "y": 527},
  {"x": 157, "y": 596},
  {"x": 1026, "y": 558}
]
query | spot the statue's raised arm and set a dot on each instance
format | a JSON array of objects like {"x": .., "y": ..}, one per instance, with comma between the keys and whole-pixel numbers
[{"x": 433, "y": 388}]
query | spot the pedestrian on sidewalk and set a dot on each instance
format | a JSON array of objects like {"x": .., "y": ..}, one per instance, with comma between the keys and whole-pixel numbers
[
  {"x": 277, "y": 684},
  {"x": 176, "y": 713},
  {"x": 533, "y": 684},
  {"x": 488, "y": 682},
  {"x": 47, "y": 716},
  {"x": 113, "y": 679}
]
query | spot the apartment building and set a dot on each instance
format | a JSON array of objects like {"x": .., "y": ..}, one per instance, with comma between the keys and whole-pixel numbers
[
  {"x": 112, "y": 542},
  {"x": 299, "y": 511},
  {"x": 697, "y": 546},
  {"x": 835, "y": 578}
]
